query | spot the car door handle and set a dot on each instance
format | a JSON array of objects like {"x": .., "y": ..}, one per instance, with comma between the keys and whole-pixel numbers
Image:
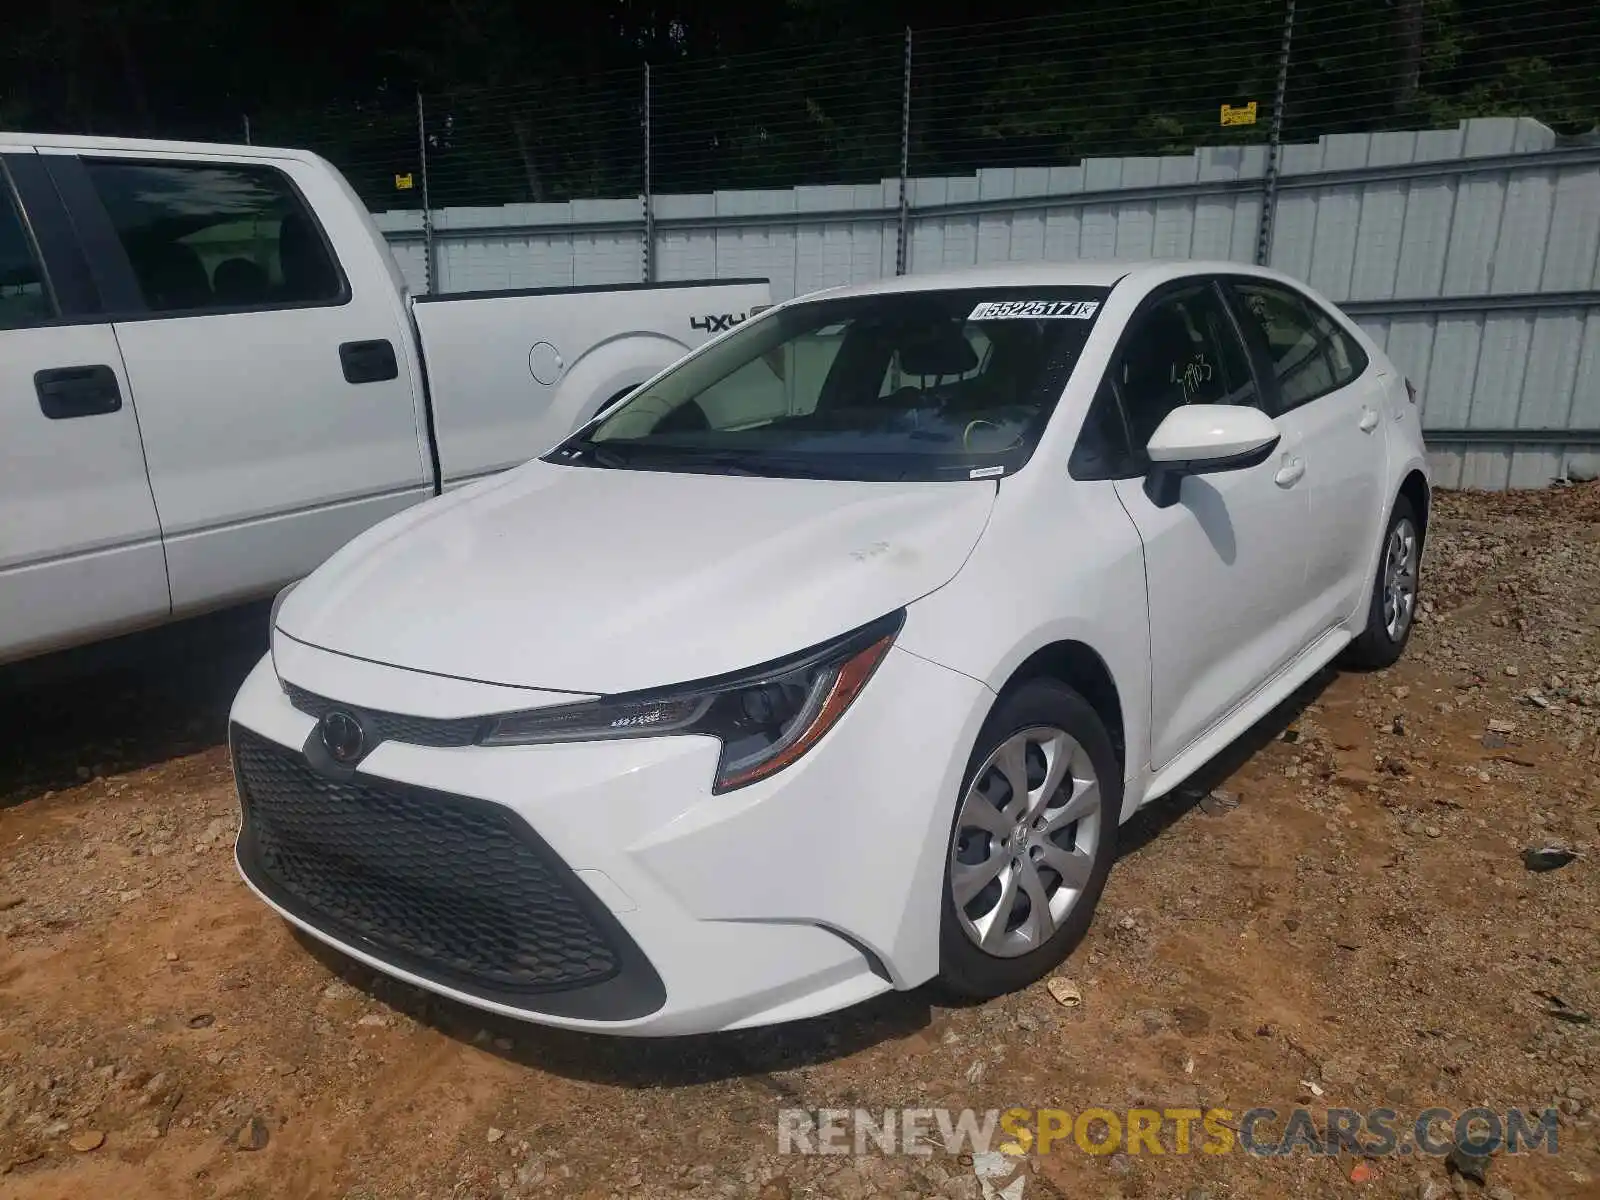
[
  {"x": 1369, "y": 420},
  {"x": 368, "y": 362},
  {"x": 1289, "y": 474},
  {"x": 68, "y": 392}
]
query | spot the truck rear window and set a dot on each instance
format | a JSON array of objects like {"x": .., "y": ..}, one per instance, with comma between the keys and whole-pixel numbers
[{"x": 203, "y": 236}]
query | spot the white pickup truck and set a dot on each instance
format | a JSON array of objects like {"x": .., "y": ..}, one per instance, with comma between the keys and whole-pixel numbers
[{"x": 212, "y": 376}]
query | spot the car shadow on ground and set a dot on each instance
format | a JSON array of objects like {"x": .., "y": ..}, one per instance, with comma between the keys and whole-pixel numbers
[
  {"x": 120, "y": 705},
  {"x": 1157, "y": 817},
  {"x": 763, "y": 1056}
]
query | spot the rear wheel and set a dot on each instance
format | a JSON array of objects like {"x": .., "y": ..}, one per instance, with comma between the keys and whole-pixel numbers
[
  {"x": 1033, "y": 839},
  {"x": 1392, "y": 608}
]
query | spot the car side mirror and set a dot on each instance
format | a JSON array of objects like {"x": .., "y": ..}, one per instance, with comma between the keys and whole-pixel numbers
[{"x": 1202, "y": 439}]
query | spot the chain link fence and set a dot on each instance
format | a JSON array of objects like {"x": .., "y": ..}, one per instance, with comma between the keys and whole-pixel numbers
[
  {"x": 1153, "y": 77},
  {"x": 1335, "y": 140}
]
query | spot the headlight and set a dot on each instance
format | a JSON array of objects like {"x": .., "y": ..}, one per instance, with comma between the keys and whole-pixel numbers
[{"x": 765, "y": 718}]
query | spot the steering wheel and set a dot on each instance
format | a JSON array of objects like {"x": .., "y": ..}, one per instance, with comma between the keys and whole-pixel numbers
[{"x": 966, "y": 435}]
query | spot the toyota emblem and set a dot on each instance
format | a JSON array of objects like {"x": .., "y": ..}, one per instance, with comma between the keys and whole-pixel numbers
[{"x": 342, "y": 736}]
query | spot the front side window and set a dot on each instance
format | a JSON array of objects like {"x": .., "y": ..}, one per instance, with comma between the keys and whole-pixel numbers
[
  {"x": 942, "y": 384},
  {"x": 1182, "y": 350},
  {"x": 207, "y": 236},
  {"x": 1310, "y": 355},
  {"x": 24, "y": 298}
]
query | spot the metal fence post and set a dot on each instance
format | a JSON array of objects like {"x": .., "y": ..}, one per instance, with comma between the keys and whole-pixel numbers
[
  {"x": 1269, "y": 183},
  {"x": 427, "y": 200},
  {"x": 649, "y": 207},
  {"x": 905, "y": 162},
  {"x": 247, "y": 140}
]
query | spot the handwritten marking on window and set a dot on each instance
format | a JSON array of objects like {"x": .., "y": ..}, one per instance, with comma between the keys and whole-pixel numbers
[{"x": 1191, "y": 375}]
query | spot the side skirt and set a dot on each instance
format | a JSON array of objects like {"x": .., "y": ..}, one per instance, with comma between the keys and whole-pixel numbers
[{"x": 1232, "y": 726}]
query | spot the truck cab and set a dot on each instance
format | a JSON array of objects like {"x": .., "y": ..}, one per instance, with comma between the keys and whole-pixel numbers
[{"x": 212, "y": 376}]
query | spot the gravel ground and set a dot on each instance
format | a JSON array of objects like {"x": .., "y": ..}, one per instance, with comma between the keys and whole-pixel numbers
[{"x": 1337, "y": 914}]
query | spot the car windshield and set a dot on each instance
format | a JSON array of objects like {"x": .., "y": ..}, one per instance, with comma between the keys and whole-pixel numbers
[{"x": 948, "y": 384}]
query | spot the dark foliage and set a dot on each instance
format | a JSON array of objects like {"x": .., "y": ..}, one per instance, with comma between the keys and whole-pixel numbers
[{"x": 536, "y": 101}]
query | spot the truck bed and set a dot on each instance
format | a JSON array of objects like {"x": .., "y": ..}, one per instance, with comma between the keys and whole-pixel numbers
[{"x": 511, "y": 373}]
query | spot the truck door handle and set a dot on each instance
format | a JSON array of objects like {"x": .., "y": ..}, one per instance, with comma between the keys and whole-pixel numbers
[
  {"x": 1289, "y": 474},
  {"x": 368, "y": 362},
  {"x": 67, "y": 392},
  {"x": 1369, "y": 420}
]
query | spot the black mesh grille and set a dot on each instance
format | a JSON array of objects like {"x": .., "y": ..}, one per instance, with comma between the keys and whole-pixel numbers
[
  {"x": 454, "y": 889},
  {"x": 394, "y": 727}
]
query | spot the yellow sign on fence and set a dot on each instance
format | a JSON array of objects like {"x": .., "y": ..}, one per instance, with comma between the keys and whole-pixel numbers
[
  {"x": 1239, "y": 114},
  {"x": 403, "y": 182}
]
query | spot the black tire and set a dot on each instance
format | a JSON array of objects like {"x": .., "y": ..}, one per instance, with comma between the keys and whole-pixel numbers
[
  {"x": 1377, "y": 647},
  {"x": 964, "y": 968}
]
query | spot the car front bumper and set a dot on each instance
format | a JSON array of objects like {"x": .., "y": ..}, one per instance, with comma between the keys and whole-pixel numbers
[{"x": 601, "y": 885}]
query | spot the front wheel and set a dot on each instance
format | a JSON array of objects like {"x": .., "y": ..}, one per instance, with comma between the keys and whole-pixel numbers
[
  {"x": 1032, "y": 842},
  {"x": 1392, "y": 608}
]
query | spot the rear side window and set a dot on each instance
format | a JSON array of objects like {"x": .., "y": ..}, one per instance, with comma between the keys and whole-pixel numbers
[
  {"x": 215, "y": 236},
  {"x": 1310, "y": 355},
  {"x": 24, "y": 298}
]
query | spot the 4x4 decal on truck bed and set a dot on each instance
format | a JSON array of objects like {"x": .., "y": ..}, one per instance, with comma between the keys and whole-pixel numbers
[{"x": 717, "y": 322}]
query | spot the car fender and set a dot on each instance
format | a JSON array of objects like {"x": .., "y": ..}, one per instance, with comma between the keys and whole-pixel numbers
[
  {"x": 1093, "y": 596},
  {"x": 1128, "y": 668}
]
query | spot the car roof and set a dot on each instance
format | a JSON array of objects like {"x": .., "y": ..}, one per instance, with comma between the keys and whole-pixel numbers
[
  {"x": 154, "y": 146},
  {"x": 1102, "y": 273}
]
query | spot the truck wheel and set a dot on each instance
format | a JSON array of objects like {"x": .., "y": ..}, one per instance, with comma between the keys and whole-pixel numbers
[
  {"x": 1033, "y": 839},
  {"x": 1392, "y": 608}
]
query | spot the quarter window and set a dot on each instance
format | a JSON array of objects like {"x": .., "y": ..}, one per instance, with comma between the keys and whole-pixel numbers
[
  {"x": 1310, "y": 355},
  {"x": 216, "y": 236},
  {"x": 24, "y": 298}
]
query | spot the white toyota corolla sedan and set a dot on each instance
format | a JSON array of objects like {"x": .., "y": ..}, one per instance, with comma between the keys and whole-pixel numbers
[{"x": 830, "y": 660}]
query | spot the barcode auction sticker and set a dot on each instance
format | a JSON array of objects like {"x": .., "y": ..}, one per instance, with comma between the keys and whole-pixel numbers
[{"x": 1028, "y": 310}]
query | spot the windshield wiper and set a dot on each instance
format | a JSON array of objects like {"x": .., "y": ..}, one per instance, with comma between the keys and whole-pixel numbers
[
  {"x": 753, "y": 464},
  {"x": 733, "y": 462},
  {"x": 593, "y": 453}
]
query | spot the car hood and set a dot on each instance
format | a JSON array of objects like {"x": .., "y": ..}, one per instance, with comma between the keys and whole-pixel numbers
[{"x": 590, "y": 580}]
